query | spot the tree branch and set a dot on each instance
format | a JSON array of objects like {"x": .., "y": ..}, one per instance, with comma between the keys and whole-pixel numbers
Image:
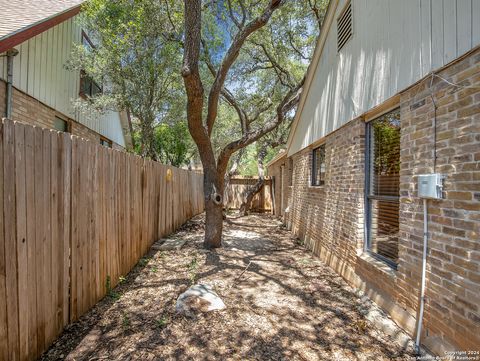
[
  {"x": 230, "y": 58},
  {"x": 289, "y": 101},
  {"x": 316, "y": 12},
  {"x": 193, "y": 82},
  {"x": 277, "y": 67},
  {"x": 227, "y": 95},
  {"x": 241, "y": 23},
  {"x": 242, "y": 115}
]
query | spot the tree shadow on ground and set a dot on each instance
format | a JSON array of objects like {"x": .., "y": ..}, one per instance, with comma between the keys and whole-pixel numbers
[{"x": 282, "y": 304}]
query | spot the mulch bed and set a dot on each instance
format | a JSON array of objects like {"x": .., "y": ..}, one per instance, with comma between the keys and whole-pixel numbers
[{"x": 282, "y": 304}]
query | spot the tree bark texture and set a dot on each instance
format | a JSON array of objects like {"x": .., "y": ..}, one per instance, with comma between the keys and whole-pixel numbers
[
  {"x": 213, "y": 208},
  {"x": 253, "y": 191},
  {"x": 200, "y": 128}
]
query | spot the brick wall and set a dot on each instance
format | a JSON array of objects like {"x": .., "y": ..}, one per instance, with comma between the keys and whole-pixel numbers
[
  {"x": 275, "y": 172},
  {"x": 331, "y": 212},
  {"x": 330, "y": 219},
  {"x": 281, "y": 184},
  {"x": 29, "y": 110},
  {"x": 453, "y": 282}
]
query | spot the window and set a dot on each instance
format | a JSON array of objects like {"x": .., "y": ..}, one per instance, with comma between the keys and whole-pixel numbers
[
  {"x": 105, "y": 142},
  {"x": 318, "y": 166},
  {"x": 88, "y": 87},
  {"x": 344, "y": 26},
  {"x": 60, "y": 124},
  {"x": 383, "y": 186}
]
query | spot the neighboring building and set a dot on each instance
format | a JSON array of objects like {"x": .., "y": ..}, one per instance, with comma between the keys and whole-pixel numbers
[
  {"x": 37, "y": 36},
  {"x": 393, "y": 92}
]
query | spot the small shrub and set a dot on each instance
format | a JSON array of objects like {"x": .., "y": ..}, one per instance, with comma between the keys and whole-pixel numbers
[
  {"x": 162, "y": 322},
  {"x": 126, "y": 321},
  {"x": 110, "y": 292},
  {"x": 192, "y": 268},
  {"x": 143, "y": 261}
]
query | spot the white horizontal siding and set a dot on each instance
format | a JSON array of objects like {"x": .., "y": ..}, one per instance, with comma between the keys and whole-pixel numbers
[
  {"x": 39, "y": 70},
  {"x": 395, "y": 43}
]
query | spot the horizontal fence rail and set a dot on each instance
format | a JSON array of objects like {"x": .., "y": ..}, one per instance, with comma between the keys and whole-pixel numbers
[
  {"x": 76, "y": 216},
  {"x": 235, "y": 194}
]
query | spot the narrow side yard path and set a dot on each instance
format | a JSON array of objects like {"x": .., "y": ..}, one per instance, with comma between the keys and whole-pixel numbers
[{"x": 282, "y": 304}]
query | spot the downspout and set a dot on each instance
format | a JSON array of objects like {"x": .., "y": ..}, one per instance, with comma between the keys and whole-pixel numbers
[
  {"x": 8, "y": 106},
  {"x": 424, "y": 271}
]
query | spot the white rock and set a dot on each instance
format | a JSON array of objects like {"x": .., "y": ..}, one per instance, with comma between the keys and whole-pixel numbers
[
  {"x": 198, "y": 298},
  {"x": 169, "y": 244}
]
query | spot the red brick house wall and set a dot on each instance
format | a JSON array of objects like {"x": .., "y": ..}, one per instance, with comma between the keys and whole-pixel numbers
[
  {"x": 29, "y": 110},
  {"x": 330, "y": 218}
]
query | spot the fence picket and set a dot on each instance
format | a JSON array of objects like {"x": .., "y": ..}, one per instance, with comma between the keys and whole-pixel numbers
[
  {"x": 10, "y": 241},
  {"x": 262, "y": 202},
  {"x": 74, "y": 214},
  {"x": 31, "y": 310},
  {"x": 21, "y": 235},
  {"x": 3, "y": 291}
]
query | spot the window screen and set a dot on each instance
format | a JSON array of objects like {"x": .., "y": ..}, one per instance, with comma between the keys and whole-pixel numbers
[
  {"x": 384, "y": 186},
  {"x": 318, "y": 166},
  {"x": 88, "y": 87}
]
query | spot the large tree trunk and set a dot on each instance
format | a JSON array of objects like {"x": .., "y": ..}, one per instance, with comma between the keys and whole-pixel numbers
[
  {"x": 213, "y": 190},
  {"x": 252, "y": 192},
  {"x": 201, "y": 131},
  {"x": 213, "y": 225}
]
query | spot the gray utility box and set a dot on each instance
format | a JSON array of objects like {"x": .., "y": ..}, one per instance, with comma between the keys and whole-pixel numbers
[{"x": 430, "y": 186}]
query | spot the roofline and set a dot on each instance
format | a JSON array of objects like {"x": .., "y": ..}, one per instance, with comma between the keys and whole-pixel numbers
[
  {"x": 17, "y": 37},
  {"x": 325, "y": 29},
  {"x": 277, "y": 158}
]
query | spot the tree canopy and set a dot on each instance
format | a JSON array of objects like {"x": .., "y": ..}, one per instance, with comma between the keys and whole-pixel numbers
[
  {"x": 135, "y": 60},
  {"x": 256, "y": 53},
  {"x": 243, "y": 64}
]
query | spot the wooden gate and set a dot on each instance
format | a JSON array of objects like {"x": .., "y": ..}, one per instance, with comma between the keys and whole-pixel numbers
[{"x": 235, "y": 194}]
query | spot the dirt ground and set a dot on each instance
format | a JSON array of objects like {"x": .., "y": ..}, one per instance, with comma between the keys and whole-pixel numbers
[{"x": 282, "y": 304}]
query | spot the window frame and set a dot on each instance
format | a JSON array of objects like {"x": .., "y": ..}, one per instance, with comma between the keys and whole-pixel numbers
[
  {"x": 106, "y": 142},
  {"x": 368, "y": 191},
  {"x": 313, "y": 168},
  {"x": 67, "y": 123},
  {"x": 83, "y": 75}
]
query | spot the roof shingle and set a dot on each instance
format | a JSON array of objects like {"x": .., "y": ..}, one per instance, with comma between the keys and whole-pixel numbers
[{"x": 17, "y": 15}]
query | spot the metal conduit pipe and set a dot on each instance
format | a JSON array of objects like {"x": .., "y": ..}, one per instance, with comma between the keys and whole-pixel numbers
[{"x": 424, "y": 271}]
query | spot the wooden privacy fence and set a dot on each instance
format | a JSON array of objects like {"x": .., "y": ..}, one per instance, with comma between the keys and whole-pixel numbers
[
  {"x": 74, "y": 215},
  {"x": 262, "y": 202}
]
